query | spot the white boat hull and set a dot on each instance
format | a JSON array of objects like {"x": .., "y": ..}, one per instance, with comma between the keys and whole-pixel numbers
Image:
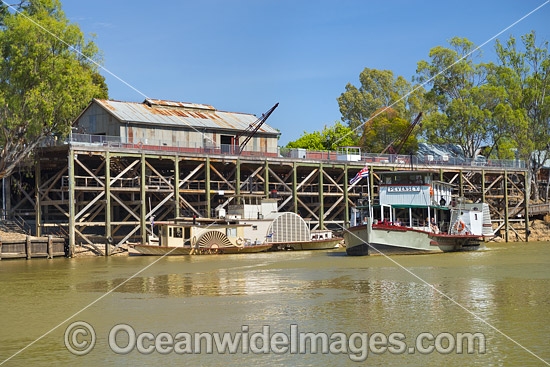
[{"x": 366, "y": 240}]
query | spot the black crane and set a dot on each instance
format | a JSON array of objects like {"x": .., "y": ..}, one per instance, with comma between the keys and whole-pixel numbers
[
  {"x": 396, "y": 150},
  {"x": 251, "y": 130}
]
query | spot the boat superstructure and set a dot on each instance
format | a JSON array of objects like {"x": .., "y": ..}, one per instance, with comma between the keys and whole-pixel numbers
[
  {"x": 416, "y": 214},
  {"x": 283, "y": 231}
]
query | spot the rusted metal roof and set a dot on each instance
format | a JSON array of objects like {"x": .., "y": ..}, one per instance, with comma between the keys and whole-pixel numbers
[
  {"x": 182, "y": 114},
  {"x": 161, "y": 102}
]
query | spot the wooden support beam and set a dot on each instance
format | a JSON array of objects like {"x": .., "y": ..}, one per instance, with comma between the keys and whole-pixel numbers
[
  {"x": 37, "y": 214},
  {"x": 71, "y": 202},
  {"x": 238, "y": 180},
  {"x": 506, "y": 222},
  {"x": 88, "y": 241},
  {"x": 526, "y": 205},
  {"x": 90, "y": 172},
  {"x": 321, "y": 198},
  {"x": 108, "y": 234},
  {"x": 221, "y": 176},
  {"x": 177, "y": 185},
  {"x": 295, "y": 187},
  {"x": 142, "y": 195},
  {"x": 207, "y": 188},
  {"x": 266, "y": 178},
  {"x": 346, "y": 199}
]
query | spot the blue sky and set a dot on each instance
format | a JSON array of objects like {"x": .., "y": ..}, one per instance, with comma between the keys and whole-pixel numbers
[{"x": 245, "y": 56}]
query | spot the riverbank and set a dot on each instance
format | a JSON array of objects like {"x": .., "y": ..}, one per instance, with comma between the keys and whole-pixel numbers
[{"x": 539, "y": 231}]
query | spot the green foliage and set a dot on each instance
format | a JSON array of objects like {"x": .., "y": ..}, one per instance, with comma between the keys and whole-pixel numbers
[
  {"x": 379, "y": 88},
  {"x": 470, "y": 112},
  {"x": 330, "y": 138},
  {"x": 387, "y": 129},
  {"x": 525, "y": 76},
  {"x": 44, "y": 83}
]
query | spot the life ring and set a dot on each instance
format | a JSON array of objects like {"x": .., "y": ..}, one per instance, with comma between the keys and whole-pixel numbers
[
  {"x": 431, "y": 192},
  {"x": 140, "y": 145},
  {"x": 239, "y": 241},
  {"x": 459, "y": 226}
]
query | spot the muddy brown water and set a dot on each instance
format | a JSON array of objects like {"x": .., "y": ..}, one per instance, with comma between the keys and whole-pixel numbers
[{"x": 508, "y": 286}]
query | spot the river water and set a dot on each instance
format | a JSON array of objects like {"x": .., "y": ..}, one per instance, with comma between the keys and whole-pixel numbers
[{"x": 508, "y": 286}]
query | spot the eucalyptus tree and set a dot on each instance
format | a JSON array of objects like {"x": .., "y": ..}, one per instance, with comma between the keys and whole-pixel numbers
[
  {"x": 524, "y": 72},
  {"x": 469, "y": 111},
  {"x": 46, "y": 77},
  {"x": 379, "y": 89}
]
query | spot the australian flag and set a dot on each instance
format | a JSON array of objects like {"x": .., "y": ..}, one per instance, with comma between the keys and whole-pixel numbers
[{"x": 363, "y": 173}]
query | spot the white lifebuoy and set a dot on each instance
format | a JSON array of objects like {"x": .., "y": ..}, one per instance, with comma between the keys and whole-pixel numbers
[{"x": 239, "y": 241}]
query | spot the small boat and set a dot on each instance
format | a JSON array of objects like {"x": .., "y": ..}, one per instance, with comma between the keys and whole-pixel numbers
[
  {"x": 416, "y": 215},
  {"x": 196, "y": 239}
]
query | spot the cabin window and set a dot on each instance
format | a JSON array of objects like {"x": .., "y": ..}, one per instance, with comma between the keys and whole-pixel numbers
[
  {"x": 231, "y": 232},
  {"x": 475, "y": 216},
  {"x": 170, "y": 232},
  {"x": 254, "y": 228},
  {"x": 178, "y": 232}
]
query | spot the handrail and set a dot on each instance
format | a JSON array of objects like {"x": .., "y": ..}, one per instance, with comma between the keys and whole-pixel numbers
[{"x": 354, "y": 155}]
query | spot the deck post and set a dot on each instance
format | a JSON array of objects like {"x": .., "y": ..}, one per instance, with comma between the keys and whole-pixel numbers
[
  {"x": 461, "y": 180},
  {"x": 28, "y": 249},
  {"x": 207, "y": 187},
  {"x": 482, "y": 185},
  {"x": 238, "y": 180},
  {"x": 295, "y": 186},
  {"x": 0, "y": 248},
  {"x": 143, "y": 200},
  {"x": 506, "y": 224},
  {"x": 50, "y": 247},
  {"x": 108, "y": 234},
  {"x": 37, "y": 197},
  {"x": 441, "y": 174},
  {"x": 346, "y": 205},
  {"x": 177, "y": 185},
  {"x": 72, "y": 239},
  {"x": 371, "y": 186},
  {"x": 526, "y": 202},
  {"x": 321, "y": 198},
  {"x": 266, "y": 178}
]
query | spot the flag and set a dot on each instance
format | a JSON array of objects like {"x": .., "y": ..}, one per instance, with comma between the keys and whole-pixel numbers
[{"x": 361, "y": 174}]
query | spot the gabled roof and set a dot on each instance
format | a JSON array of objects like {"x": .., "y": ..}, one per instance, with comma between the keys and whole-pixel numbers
[{"x": 181, "y": 114}]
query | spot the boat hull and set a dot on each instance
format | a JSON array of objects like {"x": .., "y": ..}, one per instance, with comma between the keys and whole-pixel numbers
[
  {"x": 175, "y": 251},
  {"x": 326, "y": 244},
  {"x": 364, "y": 240}
]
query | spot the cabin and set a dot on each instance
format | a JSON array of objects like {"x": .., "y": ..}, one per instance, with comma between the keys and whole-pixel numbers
[{"x": 160, "y": 123}]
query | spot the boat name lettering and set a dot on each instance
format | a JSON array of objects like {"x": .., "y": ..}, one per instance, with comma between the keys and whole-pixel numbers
[{"x": 403, "y": 188}]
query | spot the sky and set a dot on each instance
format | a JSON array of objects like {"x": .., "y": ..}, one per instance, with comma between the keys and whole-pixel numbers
[{"x": 247, "y": 55}]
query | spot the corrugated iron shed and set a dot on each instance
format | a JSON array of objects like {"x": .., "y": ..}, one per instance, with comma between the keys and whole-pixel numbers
[{"x": 181, "y": 114}]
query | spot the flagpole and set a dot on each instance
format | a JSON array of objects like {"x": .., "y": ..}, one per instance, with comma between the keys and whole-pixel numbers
[{"x": 368, "y": 197}]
